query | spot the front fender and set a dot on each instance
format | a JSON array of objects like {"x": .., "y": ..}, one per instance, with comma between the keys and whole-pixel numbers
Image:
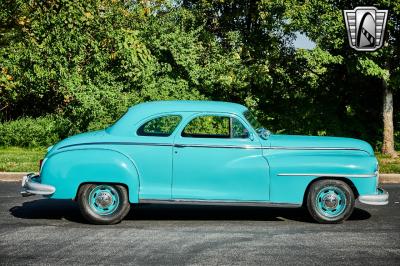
[
  {"x": 292, "y": 171},
  {"x": 67, "y": 170}
]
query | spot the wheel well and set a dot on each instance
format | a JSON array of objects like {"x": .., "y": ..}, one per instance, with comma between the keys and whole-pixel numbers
[
  {"x": 346, "y": 180},
  {"x": 107, "y": 183}
]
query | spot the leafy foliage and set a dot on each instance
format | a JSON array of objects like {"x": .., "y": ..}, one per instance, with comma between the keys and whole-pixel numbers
[
  {"x": 83, "y": 63},
  {"x": 33, "y": 132},
  {"x": 217, "y": 126}
]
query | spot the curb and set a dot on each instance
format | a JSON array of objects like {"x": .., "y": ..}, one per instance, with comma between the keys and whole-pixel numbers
[
  {"x": 17, "y": 176},
  {"x": 389, "y": 178},
  {"x": 12, "y": 176}
]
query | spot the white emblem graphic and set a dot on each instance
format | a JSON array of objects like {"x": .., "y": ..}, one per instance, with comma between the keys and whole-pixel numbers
[{"x": 365, "y": 27}]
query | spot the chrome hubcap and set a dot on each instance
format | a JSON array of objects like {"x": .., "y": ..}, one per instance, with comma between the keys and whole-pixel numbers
[
  {"x": 330, "y": 201},
  {"x": 104, "y": 199}
]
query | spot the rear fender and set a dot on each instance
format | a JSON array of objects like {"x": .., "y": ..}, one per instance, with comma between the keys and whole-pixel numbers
[{"x": 67, "y": 170}]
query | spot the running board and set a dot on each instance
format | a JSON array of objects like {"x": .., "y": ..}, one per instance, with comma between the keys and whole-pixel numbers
[{"x": 221, "y": 203}]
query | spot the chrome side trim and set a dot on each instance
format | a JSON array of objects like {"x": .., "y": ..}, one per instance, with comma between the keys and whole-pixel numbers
[
  {"x": 117, "y": 143},
  {"x": 220, "y": 203},
  {"x": 163, "y": 144},
  {"x": 315, "y": 148},
  {"x": 326, "y": 174},
  {"x": 177, "y": 145},
  {"x": 311, "y": 148}
]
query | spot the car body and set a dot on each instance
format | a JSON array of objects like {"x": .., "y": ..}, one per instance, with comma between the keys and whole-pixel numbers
[{"x": 209, "y": 153}]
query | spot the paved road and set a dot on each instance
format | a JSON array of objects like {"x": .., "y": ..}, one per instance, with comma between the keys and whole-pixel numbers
[{"x": 35, "y": 230}]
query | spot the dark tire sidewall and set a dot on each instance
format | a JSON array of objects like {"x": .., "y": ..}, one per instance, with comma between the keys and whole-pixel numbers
[
  {"x": 87, "y": 212},
  {"x": 317, "y": 187}
]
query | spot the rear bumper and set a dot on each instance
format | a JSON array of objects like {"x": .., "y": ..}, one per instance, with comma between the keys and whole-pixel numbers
[
  {"x": 381, "y": 198},
  {"x": 32, "y": 186}
]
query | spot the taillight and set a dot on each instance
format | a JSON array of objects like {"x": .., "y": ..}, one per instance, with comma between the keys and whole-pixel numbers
[{"x": 40, "y": 164}]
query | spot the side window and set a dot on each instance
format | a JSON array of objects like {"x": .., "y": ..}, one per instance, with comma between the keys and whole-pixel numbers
[
  {"x": 207, "y": 127},
  {"x": 160, "y": 127},
  {"x": 215, "y": 127}
]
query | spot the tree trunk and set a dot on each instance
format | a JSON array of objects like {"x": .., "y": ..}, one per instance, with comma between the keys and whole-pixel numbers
[{"x": 388, "y": 130}]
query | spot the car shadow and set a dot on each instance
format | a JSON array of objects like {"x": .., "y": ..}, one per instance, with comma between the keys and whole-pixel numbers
[
  {"x": 231, "y": 213},
  {"x": 68, "y": 210},
  {"x": 51, "y": 209},
  {"x": 215, "y": 213}
]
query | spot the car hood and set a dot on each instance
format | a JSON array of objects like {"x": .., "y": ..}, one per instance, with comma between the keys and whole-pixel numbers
[{"x": 313, "y": 142}]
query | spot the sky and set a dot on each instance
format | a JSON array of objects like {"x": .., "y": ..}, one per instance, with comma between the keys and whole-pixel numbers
[{"x": 303, "y": 42}]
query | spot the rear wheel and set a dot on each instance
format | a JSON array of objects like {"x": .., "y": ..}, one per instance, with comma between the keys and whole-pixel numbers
[
  {"x": 330, "y": 201},
  {"x": 103, "y": 203}
]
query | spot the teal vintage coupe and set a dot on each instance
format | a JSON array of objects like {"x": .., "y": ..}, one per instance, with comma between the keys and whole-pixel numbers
[{"x": 205, "y": 152}]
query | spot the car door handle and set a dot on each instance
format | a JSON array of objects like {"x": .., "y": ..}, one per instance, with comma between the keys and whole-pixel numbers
[{"x": 179, "y": 145}]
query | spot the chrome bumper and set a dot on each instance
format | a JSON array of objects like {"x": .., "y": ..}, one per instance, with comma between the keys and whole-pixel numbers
[
  {"x": 31, "y": 186},
  {"x": 382, "y": 198}
]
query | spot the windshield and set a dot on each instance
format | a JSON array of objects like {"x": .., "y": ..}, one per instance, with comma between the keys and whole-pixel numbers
[
  {"x": 261, "y": 131},
  {"x": 252, "y": 120}
]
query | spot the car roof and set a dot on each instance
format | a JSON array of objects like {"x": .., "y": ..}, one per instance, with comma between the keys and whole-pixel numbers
[
  {"x": 182, "y": 106},
  {"x": 141, "y": 111}
]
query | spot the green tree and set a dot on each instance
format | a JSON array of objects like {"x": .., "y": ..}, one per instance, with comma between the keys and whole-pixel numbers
[
  {"x": 84, "y": 62},
  {"x": 89, "y": 60},
  {"x": 322, "y": 22},
  {"x": 253, "y": 56}
]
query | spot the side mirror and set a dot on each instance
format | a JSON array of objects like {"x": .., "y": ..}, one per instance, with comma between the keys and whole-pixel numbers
[
  {"x": 264, "y": 133},
  {"x": 267, "y": 133}
]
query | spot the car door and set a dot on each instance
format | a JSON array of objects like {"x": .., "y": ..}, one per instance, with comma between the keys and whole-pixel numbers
[{"x": 217, "y": 157}]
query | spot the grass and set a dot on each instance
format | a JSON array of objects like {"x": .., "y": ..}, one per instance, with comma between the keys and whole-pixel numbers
[
  {"x": 15, "y": 159},
  {"x": 388, "y": 165}
]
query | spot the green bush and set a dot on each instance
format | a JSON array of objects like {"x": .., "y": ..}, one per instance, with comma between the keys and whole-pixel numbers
[{"x": 34, "y": 132}]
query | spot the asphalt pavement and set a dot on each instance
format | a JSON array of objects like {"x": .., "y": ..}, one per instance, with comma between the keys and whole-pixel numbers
[{"x": 35, "y": 230}]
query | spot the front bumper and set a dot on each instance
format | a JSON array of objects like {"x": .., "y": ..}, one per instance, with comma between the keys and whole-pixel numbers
[
  {"x": 381, "y": 198},
  {"x": 32, "y": 186}
]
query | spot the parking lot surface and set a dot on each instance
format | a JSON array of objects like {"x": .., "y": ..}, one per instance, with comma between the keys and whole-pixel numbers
[{"x": 35, "y": 230}]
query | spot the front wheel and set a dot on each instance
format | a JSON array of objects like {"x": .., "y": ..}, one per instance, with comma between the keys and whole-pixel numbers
[
  {"x": 103, "y": 203},
  {"x": 330, "y": 201}
]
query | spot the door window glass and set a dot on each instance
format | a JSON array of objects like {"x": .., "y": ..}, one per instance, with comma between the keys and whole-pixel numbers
[
  {"x": 215, "y": 127},
  {"x": 207, "y": 127}
]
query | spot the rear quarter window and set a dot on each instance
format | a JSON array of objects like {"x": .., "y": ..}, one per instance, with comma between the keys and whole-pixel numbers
[{"x": 160, "y": 127}]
